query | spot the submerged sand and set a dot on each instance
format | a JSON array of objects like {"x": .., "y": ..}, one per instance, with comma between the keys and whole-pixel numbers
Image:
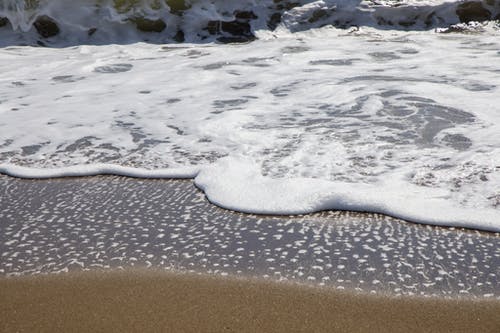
[
  {"x": 159, "y": 301},
  {"x": 110, "y": 226},
  {"x": 107, "y": 222}
]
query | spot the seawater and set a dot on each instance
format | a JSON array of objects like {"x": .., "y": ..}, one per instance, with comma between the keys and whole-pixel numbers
[{"x": 391, "y": 107}]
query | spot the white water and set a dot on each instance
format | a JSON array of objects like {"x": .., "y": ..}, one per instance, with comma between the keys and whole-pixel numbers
[
  {"x": 402, "y": 123},
  {"x": 105, "y": 21}
]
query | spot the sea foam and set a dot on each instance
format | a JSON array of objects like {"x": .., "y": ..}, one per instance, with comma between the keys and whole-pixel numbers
[
  {"x": 64, "y": 23},
  {"x": 237, "y": 184},
  {"x": 360, "y": 118}
]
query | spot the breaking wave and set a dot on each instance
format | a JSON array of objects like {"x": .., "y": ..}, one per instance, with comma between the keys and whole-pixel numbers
[
  {"x": 56, "y": 22},
  {"x": 374, "y": 119}
]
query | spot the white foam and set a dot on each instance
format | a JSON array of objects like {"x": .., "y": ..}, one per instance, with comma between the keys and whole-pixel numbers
[
  {"x": 112, "y": 21},
  {"x": 237, "y": 184},
  {"x": 405, "y": 124},
  {"x": 95, "y": 170}
]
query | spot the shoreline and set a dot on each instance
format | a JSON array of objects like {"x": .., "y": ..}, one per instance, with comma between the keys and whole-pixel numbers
[
  {"x": 110, "y": 222},
  {"x": 191, "y": 174},
  {"x": 157, "y": 256},
  {"x": 191, "y": 179},
  {"x": 154, "y": 301}
]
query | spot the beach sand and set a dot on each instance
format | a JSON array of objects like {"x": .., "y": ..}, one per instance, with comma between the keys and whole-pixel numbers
[
  {"x": 89, "y": 223},
  {"x": 213, "y": 270},
  {"x": 136, "y": 300}
]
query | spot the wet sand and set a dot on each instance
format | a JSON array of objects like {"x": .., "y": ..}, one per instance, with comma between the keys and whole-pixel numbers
[
  {"x": 160, "y": 301},
  {"x": 74, "y": 224},
  {"x": 155, "y": 255}
]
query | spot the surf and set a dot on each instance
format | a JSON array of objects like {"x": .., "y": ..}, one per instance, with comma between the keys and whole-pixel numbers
[{"x": 59, "y": 22}]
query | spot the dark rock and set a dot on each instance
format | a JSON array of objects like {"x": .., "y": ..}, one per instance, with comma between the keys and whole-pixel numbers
[
  {"x": 46, "y": 26},
  {"x": 344, "y": 24},
  {"x": 236, "y": 28},
  {"x": 179, "y": 37},
  {"x": 91, "y": 31},
  {"x": 3, "y": 21},
  {"x": 245, "y": 15},
  {"x": 237, "y": 31},
  {"x": 274, "y": 20},
  {"x": 406, "y": 24},
  {"x": 213, "y": 27},
  {"x": 472, "y": 11},
  {"x": 383, "y": 21},
  {"x": 147, "y": 25},
  {"x": 429, "y": 20},
  {"x": 318, "y": 15},
  {"x": 232, "y": 27},
  {"x": 235, "y": 40},
  {"x": 285, "y": 5},
  {"x": 177, "y": 6}
]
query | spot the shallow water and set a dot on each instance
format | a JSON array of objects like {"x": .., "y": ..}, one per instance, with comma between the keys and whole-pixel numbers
[
  {"x": 338, "y": 105},
  {"x": 383, "y": 119},
  {"x": 58, "y": 225},
  {"x": 60, "y": 22}
]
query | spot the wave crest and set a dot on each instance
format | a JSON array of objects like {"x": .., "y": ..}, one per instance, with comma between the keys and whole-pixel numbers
[{"x": 102, "y": 21}]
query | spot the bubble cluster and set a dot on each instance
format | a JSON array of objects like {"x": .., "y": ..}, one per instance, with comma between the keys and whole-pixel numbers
[{"x": 108, "y": 222}]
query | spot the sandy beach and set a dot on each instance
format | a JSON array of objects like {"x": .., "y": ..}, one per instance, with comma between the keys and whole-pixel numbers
[
  {"x": 152, "y": 301},
  {"x": 118, "y": 254},
  {"x": 106, "y": 222},
  {"x": 250, "y": 166}
]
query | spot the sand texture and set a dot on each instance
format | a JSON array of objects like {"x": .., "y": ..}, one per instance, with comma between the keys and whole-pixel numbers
[
  {"x": 152, "y": 301},
  {"x": 72, "y": 224}
]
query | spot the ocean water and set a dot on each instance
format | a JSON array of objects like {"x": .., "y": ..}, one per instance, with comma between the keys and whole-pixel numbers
[
  {"x": 274, "y": 107},
  {"x": 109, "y": 222}
]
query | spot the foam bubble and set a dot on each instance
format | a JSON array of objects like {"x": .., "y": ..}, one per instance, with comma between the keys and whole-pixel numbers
[
  {"x": 61, "y": 22},
  {"x": 237, "y": 184},
  {"x": 401, "y": 123},
  {"x": 94, "y": 170}
]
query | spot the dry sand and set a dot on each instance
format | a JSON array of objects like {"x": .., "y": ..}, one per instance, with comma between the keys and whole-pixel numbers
[{"x": 143, "y": 301}]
